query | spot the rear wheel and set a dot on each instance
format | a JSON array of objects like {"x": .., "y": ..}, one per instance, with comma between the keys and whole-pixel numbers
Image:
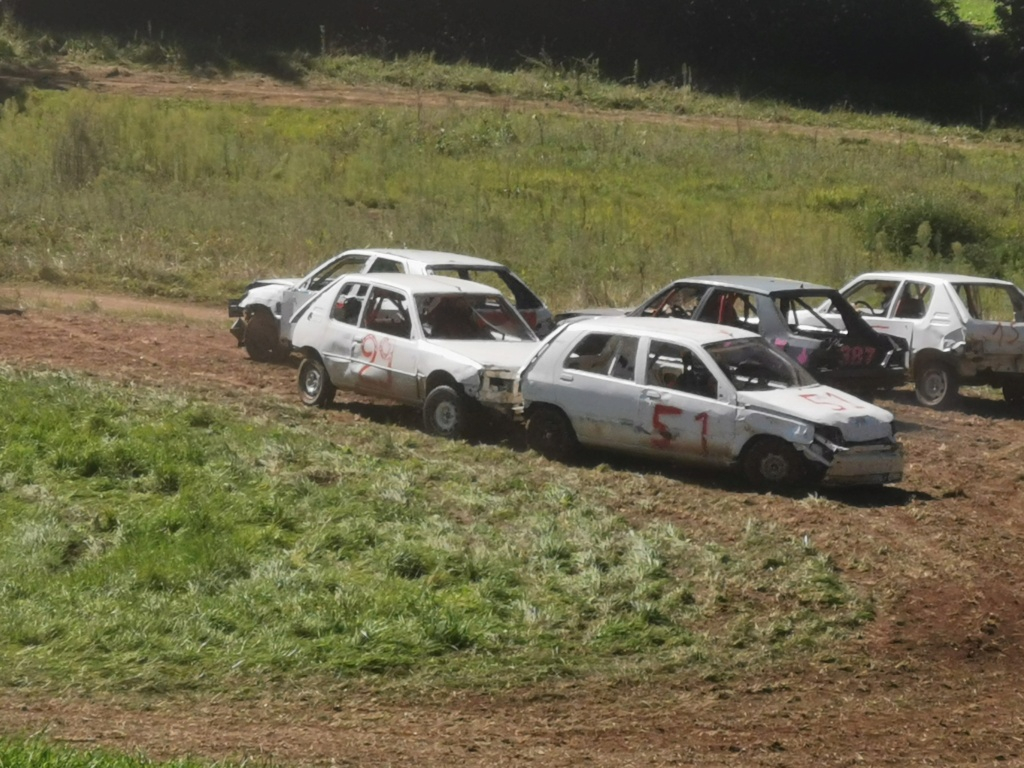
[
  {"x": 1013, "y": 391},
  {"x": 262, "y": 337},
  {"x": 445, "y": 412},
  {"x": 935, "y": 384},
  {"x": 315, "y": 387},
  {"x": 549, "y": 433},
  {"x": 770, "y": 462}
]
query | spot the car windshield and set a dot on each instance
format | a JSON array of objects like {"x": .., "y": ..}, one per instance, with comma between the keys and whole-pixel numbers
[
  {"x": 496, "y": 277},
  {"x": 466, "y": 317},
  {"x": 805, "y": 307},
  {"x": 753, "y": 364}
]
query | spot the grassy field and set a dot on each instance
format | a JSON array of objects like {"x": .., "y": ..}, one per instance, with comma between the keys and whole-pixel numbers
[
  {"x": 195, "y": 199},
  {"x": 158, "y": 544}
]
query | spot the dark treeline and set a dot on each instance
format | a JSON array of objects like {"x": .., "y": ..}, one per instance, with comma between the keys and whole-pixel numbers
[{"x": 866, "y": 53}]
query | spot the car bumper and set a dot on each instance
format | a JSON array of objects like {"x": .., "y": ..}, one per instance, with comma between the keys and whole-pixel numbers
[{"x": 867, "y": 465}]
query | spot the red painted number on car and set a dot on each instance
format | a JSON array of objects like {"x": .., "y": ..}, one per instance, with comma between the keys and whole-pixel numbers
[
  {"x": 830, "y": 399},
  {"x": 665, "y": 439},
  {"x": 855, "y": 357}
]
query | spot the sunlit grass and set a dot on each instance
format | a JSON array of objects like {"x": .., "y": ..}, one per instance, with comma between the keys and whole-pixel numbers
[{"x": 154, "y": 544}]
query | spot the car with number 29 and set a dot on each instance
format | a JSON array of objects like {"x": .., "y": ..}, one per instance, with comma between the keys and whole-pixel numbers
[
  {"x": 451, "y": 346},
  {"x": 703, "y": 394}
]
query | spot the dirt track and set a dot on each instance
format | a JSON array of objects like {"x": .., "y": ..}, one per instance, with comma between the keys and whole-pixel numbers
[
  {"x": 941, "y": 679},
  {"x": 940, "y": 684}
]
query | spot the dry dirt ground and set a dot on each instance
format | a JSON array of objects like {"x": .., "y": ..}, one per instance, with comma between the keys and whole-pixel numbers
[{"x": 939, "y": 681}]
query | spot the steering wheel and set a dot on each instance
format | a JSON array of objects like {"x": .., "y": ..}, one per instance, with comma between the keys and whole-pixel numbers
[
  {"x": 754, "y": 373},
  {"x": 862, "y": 303}
]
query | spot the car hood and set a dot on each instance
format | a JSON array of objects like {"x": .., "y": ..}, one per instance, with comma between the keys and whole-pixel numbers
[
  {"x": 592, "y": 312},
  {"x": 286, "y": 282},
  {"x": 512, "y": 355},
  {"x": 858, "y": 420}
]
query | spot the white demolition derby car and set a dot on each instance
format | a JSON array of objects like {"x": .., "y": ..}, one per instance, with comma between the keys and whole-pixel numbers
[
  {"x": 960, "y": 329},
  {"x": 263, "y": 325},
  {"x": 448, "y": 345},
  {"x": 704, "y": 394}
]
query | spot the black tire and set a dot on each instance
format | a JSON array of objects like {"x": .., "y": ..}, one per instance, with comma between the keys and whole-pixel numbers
[
  {"x": 549, "y": 433},
  {"x": 262, "y": 337},
  {"x": 771, "y": 462},
  {"x": 315, "y": 387},
  {"x": 446, "y": 412},
  {"x": 936, "y": 384}
]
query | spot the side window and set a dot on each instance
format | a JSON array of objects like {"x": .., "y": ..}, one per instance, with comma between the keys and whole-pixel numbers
[
  {"x": 913, "y": 301},
  {"x": 605, "y": 354},
  {"x": 989, "y": 302},
  {"x": 872, "y": 298},
  {"x": 730, "y": 308},
  {"x": 349, "y": 303},
  {"x": 672, "y": 366},
  {"x": 387, "y": 312},
  {"x": 679, "y": 302},
  {"x": 381, "y": 264},
  {"x": 348, "y": 265}
]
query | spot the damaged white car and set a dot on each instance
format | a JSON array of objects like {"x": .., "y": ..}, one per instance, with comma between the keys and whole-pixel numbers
[
  {"x": 263, "y": 325},
  {"x": 704, "y": 394},
  {"x": 450, "y": 346},
  {"x": 960, "y": 329}
]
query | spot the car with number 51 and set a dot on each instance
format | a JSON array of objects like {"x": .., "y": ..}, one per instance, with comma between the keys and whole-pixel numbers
[
  {"x": 704, "y": 394},
  {"x": 453, "y": 347}
]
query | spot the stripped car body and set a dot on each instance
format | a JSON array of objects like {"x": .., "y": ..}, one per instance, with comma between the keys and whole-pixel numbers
[
  {"x": 445, "y": 344},
  {"x": 849, "y": 355},
  {"x": 703, "y": 394},
  {"x": 959, "y": 329},
  {"x": 263, "y": 312}
]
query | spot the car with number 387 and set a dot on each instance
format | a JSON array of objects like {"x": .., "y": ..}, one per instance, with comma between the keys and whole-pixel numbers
[
  {"x": 703, "y": 394},
  {"x": 842, "y": 350},
  {"x": 451, "y": 346}
]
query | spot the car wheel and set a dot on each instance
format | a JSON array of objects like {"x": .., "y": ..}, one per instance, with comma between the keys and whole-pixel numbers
[
  {"x": 935, "y": 384},
  {"x": 315, "y": 387},
  {"x": 550, "y": 434},
  {"x": 445, "y": 412},
  {"x": 262, "y": 337},
  {"x": 770, "y": 462},
  {"x": 1013, "y": 391}
]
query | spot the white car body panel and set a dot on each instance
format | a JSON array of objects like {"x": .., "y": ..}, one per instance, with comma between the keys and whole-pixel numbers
[
  {"x": 980, "y": 350},
  {"x": 382, "y": 364},
  {"x": 284, "y": 296},
  {"x": 712, "y": 427}
]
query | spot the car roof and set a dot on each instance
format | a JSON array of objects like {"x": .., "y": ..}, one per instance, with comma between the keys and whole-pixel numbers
[
  {"x": 948, "y": 277},
  {"x": 666, "y": 328},
  {"x": 754, "y": 283},
  {"x": 421, "y": 284},
  {"x": 428, "y": 258}
]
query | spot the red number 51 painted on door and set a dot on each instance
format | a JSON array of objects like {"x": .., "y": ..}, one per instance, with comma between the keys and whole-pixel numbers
[{"x": 664, "y": 441}]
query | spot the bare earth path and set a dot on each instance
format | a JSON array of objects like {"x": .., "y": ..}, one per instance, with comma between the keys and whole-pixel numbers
[{"x": 939, "y": 681}]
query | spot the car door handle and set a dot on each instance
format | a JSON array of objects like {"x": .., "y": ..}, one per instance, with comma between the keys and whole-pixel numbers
[
  {"x": 650, "y": 394},
  {"x": 566, "y": 377}
]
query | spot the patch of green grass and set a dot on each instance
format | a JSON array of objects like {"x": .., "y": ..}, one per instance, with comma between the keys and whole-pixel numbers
[
  {"x": 194, "y": 200},
  {"x": 980, "y": 13},
  {"x": 154, "y": 544},
  {"x": 38, "y": 753}
]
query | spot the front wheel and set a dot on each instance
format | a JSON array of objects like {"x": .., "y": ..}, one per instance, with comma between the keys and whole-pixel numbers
[
  {"x": 550, "y": 434},
  {"x": 315, "y": 387},
  {"x": 935, "y": 384},
  {"x": 262, "y": 338},
  {"x": 770, "y": 462},
  {"x": 445, "y": 412}
]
